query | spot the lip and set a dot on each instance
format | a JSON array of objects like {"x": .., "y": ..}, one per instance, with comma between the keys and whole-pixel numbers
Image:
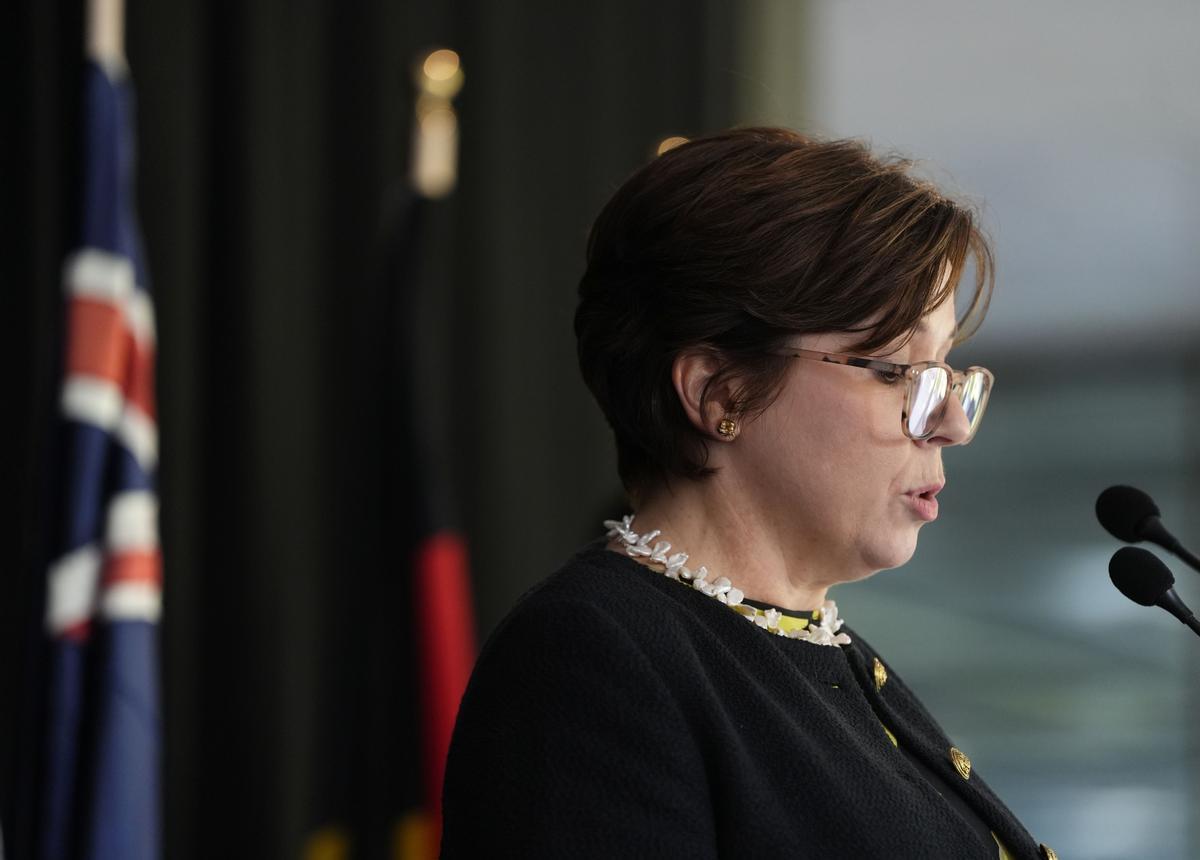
[
  {"x": 923, "y": 501},
  {"x": 929, "y": 490}
]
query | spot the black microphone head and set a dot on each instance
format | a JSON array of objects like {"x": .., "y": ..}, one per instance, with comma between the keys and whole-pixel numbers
[
  {"x": 1123, "y": 510},
  {"x": 1140, "y": 575}
]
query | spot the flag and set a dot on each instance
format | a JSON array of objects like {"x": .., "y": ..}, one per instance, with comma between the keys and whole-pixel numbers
[
  {"x": 441, "y": 597},
  {"x": 100, "y": 785},
  {"x": 430, "y": 653},
  {"x": 442, "y": 618},
  {"x": 412, "y": 634}
]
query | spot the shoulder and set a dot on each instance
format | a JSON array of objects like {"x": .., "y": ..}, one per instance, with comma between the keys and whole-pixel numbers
[
  {"x": 604, "y": 623},
  {"x": 597, "y": 602},
  {"x": 569, "y": 684},
  {"x": 595, "y": 573}
]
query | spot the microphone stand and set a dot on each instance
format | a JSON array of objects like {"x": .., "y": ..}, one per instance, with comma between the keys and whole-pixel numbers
[{"x": 1153, "y": 531}]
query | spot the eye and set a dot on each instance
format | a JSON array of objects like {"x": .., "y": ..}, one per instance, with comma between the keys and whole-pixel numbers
[{"x": 888, "y": 377}]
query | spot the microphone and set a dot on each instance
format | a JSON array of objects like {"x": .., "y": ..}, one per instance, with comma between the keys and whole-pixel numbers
[
  {"x": 1131, "y": 515},
  {"x": 1143, "y": 578}
]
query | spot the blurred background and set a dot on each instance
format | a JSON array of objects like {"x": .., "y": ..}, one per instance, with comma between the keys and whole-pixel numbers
[{"x": 342, "y": 371}]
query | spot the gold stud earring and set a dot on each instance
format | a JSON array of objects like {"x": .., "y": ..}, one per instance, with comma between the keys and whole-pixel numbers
[{"x": 728, "y": 428}]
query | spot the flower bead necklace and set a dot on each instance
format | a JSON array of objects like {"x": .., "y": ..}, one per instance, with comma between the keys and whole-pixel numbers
[{"x": 657, "y": 554}]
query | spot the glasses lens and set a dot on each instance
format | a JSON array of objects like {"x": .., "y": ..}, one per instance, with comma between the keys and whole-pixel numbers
[
  {"x": 928, "y": 393},
  {"x": 974, "y": 397}
]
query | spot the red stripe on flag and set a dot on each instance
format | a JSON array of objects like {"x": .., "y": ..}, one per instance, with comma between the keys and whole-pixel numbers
[
  {"x": 139, "y": 381},
  {"x": 133, "y": 567},
  {"x": 100, "y": 344},
  {"x": 446, "y": 652},
  {"x": 97, "y": 340},
  {"x": 77, "y": 632}
]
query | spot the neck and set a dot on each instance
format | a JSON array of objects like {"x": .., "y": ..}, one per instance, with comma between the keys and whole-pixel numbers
[{"x": 720, "y": 531}]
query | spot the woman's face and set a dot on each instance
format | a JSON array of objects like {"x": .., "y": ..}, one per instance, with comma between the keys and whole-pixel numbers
[{"x": 829, "y": 463}]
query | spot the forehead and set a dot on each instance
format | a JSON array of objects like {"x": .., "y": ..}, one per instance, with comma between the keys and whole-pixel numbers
[
  {"x": 939, "y": 324},
  {"x": 933, "y": 333}
]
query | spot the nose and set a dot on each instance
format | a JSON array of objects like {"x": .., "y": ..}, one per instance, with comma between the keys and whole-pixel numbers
[{"x": 954, "y": 428}]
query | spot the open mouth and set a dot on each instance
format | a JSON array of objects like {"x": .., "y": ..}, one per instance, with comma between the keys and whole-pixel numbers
[
  {"x": 924, "y": 503},
  {"x": 928, "y": 492}
]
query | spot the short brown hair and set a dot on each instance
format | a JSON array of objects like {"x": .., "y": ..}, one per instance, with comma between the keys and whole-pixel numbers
[{"x": 736, "y": 242}]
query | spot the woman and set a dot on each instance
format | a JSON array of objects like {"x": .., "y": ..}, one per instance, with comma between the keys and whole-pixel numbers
[{"x": 764, "y": 321}]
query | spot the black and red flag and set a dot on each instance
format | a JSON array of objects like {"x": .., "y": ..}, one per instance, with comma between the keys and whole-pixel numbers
[{"x": 410, "y": 641}]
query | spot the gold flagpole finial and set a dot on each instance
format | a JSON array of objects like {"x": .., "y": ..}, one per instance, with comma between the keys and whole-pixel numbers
[
  {"x": 440, "y": 74},
  {"x": 438, "y": 77}
]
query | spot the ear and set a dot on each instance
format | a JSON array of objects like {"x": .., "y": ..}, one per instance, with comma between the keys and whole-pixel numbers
[{"x": 691, "y": 374}]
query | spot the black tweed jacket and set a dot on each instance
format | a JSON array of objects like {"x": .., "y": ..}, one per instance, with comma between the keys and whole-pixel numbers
[{"x": 616, "y": 713}]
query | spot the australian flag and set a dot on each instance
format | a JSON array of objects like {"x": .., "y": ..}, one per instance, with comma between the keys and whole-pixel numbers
[{"x": 100, "y": 782}]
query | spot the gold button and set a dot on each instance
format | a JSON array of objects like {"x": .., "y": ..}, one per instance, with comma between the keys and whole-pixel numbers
[
  {"x": 1048, "y": 852},
  {"x": 962, "y": 764},
  {"x": 880, "y": 675}
]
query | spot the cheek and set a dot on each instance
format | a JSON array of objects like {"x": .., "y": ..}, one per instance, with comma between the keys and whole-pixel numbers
[
  {"x": 835, "y": 459},
  {"x": 842, "y": 448},
  {"x": 859, "y": 437}
]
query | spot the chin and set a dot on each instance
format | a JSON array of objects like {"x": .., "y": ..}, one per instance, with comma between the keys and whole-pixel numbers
[{"x": 891, "y": 556}]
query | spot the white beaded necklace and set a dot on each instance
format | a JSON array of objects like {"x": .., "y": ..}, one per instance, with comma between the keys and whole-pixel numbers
[{"x": 721, "y": 589}]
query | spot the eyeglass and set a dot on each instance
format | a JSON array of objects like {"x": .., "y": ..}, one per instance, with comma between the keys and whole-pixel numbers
[{"x": 928, "y": 384}]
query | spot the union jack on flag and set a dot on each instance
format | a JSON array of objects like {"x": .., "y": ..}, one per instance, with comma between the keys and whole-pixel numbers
[{"x": 100, "y": 795}]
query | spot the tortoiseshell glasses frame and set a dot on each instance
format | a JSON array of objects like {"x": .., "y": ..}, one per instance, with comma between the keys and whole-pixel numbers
[{"x": 928, "y": 386}]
